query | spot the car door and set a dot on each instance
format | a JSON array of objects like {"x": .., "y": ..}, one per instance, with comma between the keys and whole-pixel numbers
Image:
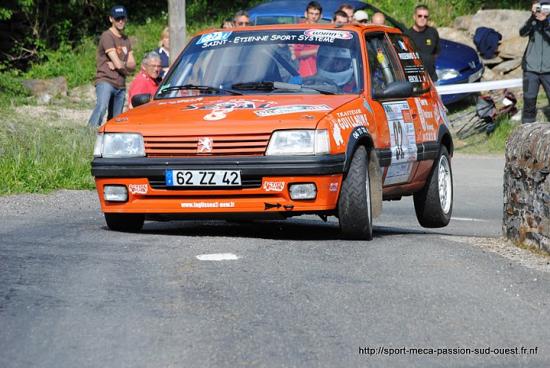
[
  {"x": 427, "y": 107},
  {"x": 397, "y": 117}
]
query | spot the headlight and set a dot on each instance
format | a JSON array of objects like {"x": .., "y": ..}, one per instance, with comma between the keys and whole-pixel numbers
[
  {"x": 98, "y": 147},
  {"x": 298, "y": 142},
  {"x": 445, "y": 74},
  {"x": 119, "y": 145}
]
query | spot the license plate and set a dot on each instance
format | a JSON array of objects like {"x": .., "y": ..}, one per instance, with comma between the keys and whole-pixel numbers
[{"x": 203, "y": 178}]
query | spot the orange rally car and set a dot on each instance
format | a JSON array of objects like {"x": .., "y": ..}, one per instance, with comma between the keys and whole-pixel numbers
[{"x": 279, "y": 121}]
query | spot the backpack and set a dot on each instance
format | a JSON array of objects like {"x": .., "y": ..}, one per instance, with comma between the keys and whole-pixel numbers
[{"x": 486, "y": 41}]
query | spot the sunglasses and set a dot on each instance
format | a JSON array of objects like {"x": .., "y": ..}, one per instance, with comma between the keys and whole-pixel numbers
[
  {"x": 119, "y": 19},
  {"x": 363, "y": 21},
  {"x": 243, "y": 23},
  {"x": 422, "y": 16}
]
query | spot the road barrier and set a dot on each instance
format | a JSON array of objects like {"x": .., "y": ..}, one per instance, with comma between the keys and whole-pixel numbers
[{"x": 452, "y": 89}]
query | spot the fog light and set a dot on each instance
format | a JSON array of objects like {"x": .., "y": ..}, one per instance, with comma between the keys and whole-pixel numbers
[
  {"x": 115, "y": 193},
  {"x": 303, "y": 191}
]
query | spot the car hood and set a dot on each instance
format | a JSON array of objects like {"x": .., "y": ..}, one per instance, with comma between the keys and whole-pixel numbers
[
  {"x": 223, "y": 114},
  {"x": 454, "y": 55}
]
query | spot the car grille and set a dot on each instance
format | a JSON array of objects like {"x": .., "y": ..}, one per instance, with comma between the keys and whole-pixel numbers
[
  {"x": 222, "y": 145},
  {"x": 159, "y": 182}
]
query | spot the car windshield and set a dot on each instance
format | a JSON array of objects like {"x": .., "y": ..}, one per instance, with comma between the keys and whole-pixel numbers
[{"x": 312, "y": 61}]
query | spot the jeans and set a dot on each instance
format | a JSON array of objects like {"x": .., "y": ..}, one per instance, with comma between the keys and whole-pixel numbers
[
  {"x": 531, "y": 85},
  {"x": 108, "y": 98}
]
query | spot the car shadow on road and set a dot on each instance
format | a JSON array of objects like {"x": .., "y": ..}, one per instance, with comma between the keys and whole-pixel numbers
[{"x": 296, "y": 229}]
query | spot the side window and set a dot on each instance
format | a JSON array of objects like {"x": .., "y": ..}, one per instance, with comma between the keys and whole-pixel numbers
[
  {"x": 381, "y": 63},
  {"x": 411, "y": 62}
]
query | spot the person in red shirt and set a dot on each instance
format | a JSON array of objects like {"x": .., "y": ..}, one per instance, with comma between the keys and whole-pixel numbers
[
  {"x": 147, "y": 80},
  {"x": 305, "y": 53}
]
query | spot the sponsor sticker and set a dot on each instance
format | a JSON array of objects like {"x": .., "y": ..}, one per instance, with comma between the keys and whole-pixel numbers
[
  {"x": 291, "y": 109},
  {"x": 402, "y": 142},
  {"x": 207, "y": 204},
  {"x": 337, "y": 134},
  {"x": 274, "y": 186},
  {"x": 329, "y": 33},
  {"x": 138, "y": 188},
  {"x": 214, "y": 37},
  {"x": 333, "y": 187}
]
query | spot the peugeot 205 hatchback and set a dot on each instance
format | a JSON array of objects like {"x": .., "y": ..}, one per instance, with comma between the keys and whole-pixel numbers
[{"x": 279, "y": 121}]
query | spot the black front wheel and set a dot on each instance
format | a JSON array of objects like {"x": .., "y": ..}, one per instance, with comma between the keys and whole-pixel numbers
[{"x": 354, "y": 204}]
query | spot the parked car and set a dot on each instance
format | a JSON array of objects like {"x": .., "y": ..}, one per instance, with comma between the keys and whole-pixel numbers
[
  {"x": 457, "y": 63},
  {"x": 239, "y": 128}
]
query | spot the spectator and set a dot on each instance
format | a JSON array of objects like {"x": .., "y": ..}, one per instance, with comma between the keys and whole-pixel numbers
[
  {"x": 114, "y": 61},
  {"x": 227, "y": 23},
  {"x": 313, "y": 12},
  {"x": 361, "y": 17},
  {"x": 306, "y": 54},
  {"x": 147, "y": 79},
  {"x": 426, "y": 39},
  {"x": 536, "y": 63},
  {"x": 348, "y": 9},
  {"x": 340, "y": 18},
  {"x": 379, "y": 19},
  {"x": 241, "y": 19},
  {"x": 164, "y": 51}
]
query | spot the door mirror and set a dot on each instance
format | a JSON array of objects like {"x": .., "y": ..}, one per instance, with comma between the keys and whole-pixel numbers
[
  {"x": 141, "y": 99},
  {"x": 398, "y": 89}
]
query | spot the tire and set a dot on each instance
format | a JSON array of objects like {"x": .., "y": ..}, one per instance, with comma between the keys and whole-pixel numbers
[
  {"x": 128, "y": 223},
  {"x": 434, "y": 203},
  {"x": 355, "y": 204}
]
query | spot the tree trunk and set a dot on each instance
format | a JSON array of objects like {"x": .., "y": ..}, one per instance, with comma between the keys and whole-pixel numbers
[{"x": 176, "y": 21}]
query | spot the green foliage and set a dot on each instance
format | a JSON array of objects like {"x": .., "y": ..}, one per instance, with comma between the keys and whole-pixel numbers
[
  {"x": 442, "y": 14},
  {"x": 35, "y": 157},
  {"x": 493, "y": 143},
  {"x": 77, "y": 65}
]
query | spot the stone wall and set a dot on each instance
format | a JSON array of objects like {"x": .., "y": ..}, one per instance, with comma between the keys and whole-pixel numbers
[{"x": 527, "y": 186}]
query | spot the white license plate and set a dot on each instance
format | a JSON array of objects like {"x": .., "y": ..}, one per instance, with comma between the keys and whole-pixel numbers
[{"x": 203, "y": 178}]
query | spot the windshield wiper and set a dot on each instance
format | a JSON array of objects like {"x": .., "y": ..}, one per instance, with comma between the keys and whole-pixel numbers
[
  {"x": 271, "y": 86},
  {"x": 196, "y": 87}
]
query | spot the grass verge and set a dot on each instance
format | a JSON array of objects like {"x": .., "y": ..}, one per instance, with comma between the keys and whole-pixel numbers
[{"x": 38, "y": 157}]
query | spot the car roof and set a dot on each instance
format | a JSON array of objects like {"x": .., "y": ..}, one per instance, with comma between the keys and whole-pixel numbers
[{"x": 297, "y": 7}]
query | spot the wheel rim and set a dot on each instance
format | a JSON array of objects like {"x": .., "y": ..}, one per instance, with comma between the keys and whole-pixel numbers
[
  {"x": 445, "y": 184},
  {"x": 367, "y": 194}
]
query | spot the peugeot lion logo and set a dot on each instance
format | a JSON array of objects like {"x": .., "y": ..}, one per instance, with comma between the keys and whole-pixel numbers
[{"x": 205, "y": 145}]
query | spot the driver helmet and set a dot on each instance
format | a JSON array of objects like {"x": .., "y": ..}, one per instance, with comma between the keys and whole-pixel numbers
[{"x": 334, "y": 64}]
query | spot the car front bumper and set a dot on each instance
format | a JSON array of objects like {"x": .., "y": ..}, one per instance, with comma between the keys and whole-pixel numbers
[{"x": 264, "y": 189}]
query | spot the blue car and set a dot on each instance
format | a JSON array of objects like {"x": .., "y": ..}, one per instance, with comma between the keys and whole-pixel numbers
[{"x": 457, "y": 63}]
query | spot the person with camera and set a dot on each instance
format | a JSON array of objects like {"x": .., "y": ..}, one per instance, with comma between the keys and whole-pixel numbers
[{"x": 536, "y": 59}]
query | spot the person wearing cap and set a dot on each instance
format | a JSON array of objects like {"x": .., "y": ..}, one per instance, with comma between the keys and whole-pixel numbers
[
  {"x": 114, "y": 61},
  {"x": 536, "y": 59},
  {"x": 361, "y": 17}
]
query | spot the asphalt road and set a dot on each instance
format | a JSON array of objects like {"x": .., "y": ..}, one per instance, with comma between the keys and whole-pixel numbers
[{"x": 73, "y": 294}]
